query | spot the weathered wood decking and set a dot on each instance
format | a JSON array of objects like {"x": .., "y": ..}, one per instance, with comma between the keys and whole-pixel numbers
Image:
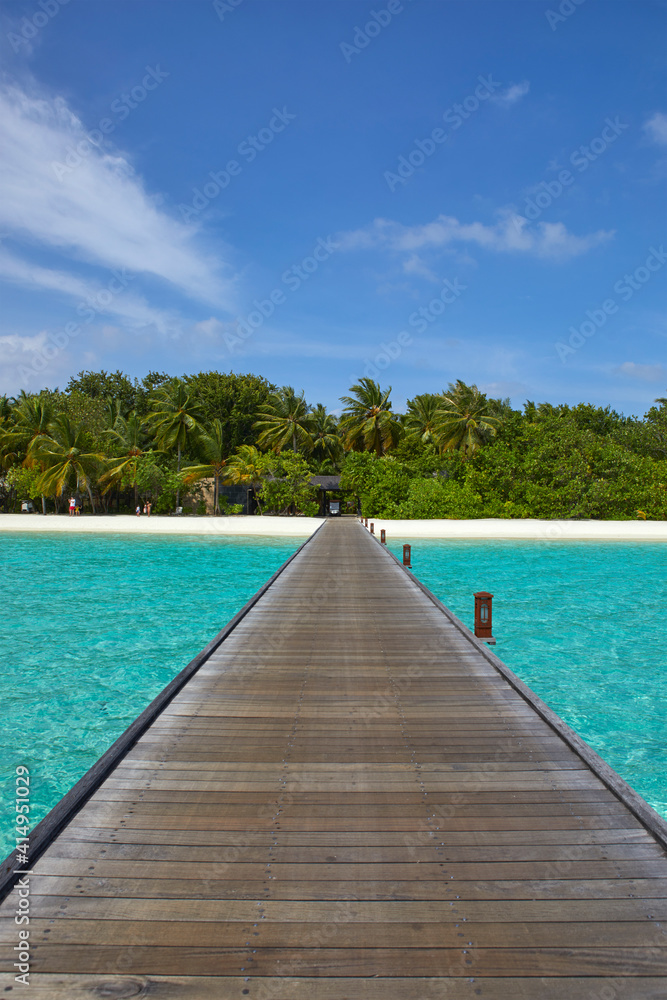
[{"x": 348, "y": 800}]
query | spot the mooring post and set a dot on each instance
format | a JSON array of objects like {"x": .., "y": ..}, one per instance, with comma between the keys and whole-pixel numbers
[
  {"x": 372, "y": 528},
  {"x": 483, "y": 617},
  {"x": 407, "y": 556},
  {"x": 383, "y": 536},
  {"x": 365, "y": 522}
]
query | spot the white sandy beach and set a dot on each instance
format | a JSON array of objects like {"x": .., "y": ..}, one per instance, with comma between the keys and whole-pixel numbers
[{"x": 302, "y": 527}]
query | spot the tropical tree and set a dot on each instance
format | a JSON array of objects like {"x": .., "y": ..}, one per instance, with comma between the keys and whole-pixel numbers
[
  {"x": 249, "y": 467},
  {"x": 327, "y": 447},
  {"x": 465, "y": 420},
  {"x": 67, "y": 461},
  {"x": 128, "y": 439},
  {"x": 175, "y": 419},
  {"x": 28, "y": 420},
  {"x": 233, "y": 399},
  {"x": 421, "y": 420},
  {"x": 213, "y": 447},
  {"x": 367, "y": 421},
  {"x": 284, "y": 422},
  {"x": 289, "y": 491}
]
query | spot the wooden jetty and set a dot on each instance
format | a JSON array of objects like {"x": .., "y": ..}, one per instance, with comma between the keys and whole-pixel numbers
[{"x": 351, "y": 798}]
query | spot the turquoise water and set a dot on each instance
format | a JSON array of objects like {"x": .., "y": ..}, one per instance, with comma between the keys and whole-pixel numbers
[
  {"x": 92, "y": 628},
  {"x": 583, "y": 624}
]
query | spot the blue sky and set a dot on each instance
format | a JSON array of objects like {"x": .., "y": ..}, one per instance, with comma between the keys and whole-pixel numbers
[{"x": 315, "y": 191}]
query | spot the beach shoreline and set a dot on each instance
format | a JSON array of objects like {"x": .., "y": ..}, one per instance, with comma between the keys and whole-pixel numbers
[{"x": 303, "y": 527}]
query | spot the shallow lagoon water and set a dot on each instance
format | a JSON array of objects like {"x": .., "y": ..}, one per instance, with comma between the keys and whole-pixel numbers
[
  {"x": 583, "y": 625},
  {"x": 94, "y": 626}
]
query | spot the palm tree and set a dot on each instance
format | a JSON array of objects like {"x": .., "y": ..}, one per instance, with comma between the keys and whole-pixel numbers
[
  {"x": 31, "y": 416},
  {"x": 128, "y": 438},
  {"x": 63, "y": 452},
  {"x": 422, "y": 417},
  {"x": 175, "y": 418},
  {"x": 247, "y": 466},
  {"x": 327, "y": 445},
  {"x": 214, "y": 448},
  {"x": 284, "y": 421},
  {"x": 465, "y": 422},
  {"x": 367, "y": 420}
]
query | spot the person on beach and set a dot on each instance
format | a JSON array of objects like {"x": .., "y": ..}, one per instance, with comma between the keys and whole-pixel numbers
[
  {"x": 148, "y": 508},
  {"x": 138, "y": 511},
  {"x": 72, "y": 506}
]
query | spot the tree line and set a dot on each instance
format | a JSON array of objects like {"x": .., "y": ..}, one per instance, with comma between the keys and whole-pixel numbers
[{"x": 117, "y": 442}]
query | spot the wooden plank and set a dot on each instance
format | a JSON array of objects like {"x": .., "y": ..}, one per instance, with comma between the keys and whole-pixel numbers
[
  {"x": 359, "y": 889},
  {"x": 329, "y": 911},
  {"x": 46, "y": 986},
  {"x": 359, "y": 962}
]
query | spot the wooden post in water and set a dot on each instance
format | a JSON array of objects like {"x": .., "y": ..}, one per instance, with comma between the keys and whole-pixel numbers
[
  {"x": 407, "y": 556},
  {"x": 365, "y": 522},
  {"x": 372, "y": 528},
  {"x": 383, "y": 536}
]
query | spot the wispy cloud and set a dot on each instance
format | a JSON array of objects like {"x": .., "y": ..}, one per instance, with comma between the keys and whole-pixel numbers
[
  {"x": 511, "y": 234},
  {"x": 645, "y": 373},
  {"x": 110, "y": 299},
  {"x": 656, "y": 128},
  {"x": 415, "y": 265},
  {"x": 510, "y": 96},
  {"x": 99, "y": 212}
]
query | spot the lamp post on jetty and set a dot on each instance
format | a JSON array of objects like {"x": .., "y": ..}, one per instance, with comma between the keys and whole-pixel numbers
[{"x": 483, "y": 617}]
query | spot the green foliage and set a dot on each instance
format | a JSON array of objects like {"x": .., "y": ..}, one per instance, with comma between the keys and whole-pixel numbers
[
  {"x": 104, "y": 385},
  {"x": 453, "y": 454},
  {"x": 23, "y": 482},
  {"x": 232, "y": 399},
  {"x": 368, "y": 423},
  {"x": 289, "y": 490},
  {"x": 381, "y": 484},
  {"x": 284, "y": 422},
  {"x": 437, "y": 497}
]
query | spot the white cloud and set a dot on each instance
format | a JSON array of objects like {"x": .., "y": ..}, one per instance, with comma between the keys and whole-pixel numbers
[
  {"x": 514, "y": 93},
  {"x": 415, "y": 265},
  {"x": 646, "y": 373},
  {"x": 511, "y": 234},
  {"x": 656, "y": 127},
  {"x": 97, "y": 212}
]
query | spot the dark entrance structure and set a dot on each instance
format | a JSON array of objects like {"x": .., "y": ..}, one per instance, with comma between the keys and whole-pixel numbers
[{"x": 328, "y": 489}]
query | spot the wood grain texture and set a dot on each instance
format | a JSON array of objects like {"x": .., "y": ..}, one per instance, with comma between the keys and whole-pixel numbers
[{"x": 348, "y": 798}]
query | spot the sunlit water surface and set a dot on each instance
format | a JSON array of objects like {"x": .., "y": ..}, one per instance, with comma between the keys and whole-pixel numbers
[{"x": 92, "y": 628}]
